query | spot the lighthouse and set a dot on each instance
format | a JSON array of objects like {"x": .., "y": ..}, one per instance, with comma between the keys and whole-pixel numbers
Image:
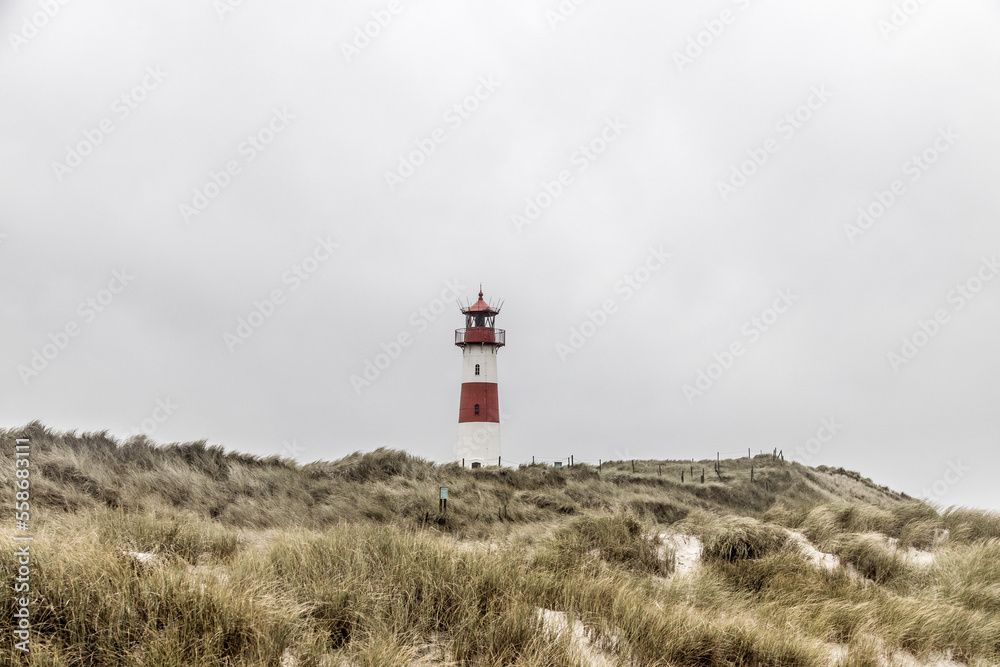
[{"x": 479, "y": 407}]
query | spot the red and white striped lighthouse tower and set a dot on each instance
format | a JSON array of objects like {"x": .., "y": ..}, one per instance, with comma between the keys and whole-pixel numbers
[{"x": 479, "y": 408}]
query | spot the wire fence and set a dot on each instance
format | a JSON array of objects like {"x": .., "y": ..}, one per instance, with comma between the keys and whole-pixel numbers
[{"x": 723, "y": 462}]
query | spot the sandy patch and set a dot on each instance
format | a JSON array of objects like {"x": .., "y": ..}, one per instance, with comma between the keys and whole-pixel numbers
[
  {"x": 918, "y": 557},
  {"x": 557, "y": 622},
  {"x": 912, "y": 556},
  {"x": 476, "y": 546},
  {"x": 687, "y": 550},
  {"x": 813, "y": 555},
  {"x": 142, "y": 558},
  {"x": 900, "y": 659}
]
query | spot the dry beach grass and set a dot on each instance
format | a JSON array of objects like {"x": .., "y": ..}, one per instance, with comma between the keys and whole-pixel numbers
[{"x": 186, "y": 555}]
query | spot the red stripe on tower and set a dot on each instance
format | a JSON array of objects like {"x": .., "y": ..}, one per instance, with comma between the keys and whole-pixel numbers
[{"x": 480, "y": 403}]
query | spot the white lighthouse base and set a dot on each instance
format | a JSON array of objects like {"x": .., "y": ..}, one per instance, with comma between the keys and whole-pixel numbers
[{"x": 478, "y": 442}]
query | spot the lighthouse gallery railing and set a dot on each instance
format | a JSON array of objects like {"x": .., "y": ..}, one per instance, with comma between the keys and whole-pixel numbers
[{"x": 479, "y": 335}]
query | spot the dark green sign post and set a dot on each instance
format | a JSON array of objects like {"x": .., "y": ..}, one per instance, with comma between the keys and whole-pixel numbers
[{"x": 443, "y": 499}]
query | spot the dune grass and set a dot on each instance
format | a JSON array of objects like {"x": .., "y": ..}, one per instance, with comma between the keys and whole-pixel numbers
[
  {"x": 620, "y": 540},
  {"x": 871, "y": 557},
  {"x": 740, "y": 538},
  {"x": 266, "y": 562}
]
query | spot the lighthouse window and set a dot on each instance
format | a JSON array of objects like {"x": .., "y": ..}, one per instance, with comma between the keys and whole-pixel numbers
[
  {"x": 477, "y": 369},
  {"x": 477, "y": 408}
]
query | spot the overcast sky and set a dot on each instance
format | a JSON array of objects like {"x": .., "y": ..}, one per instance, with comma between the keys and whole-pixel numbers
[{"x": 716, "y": 226}]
